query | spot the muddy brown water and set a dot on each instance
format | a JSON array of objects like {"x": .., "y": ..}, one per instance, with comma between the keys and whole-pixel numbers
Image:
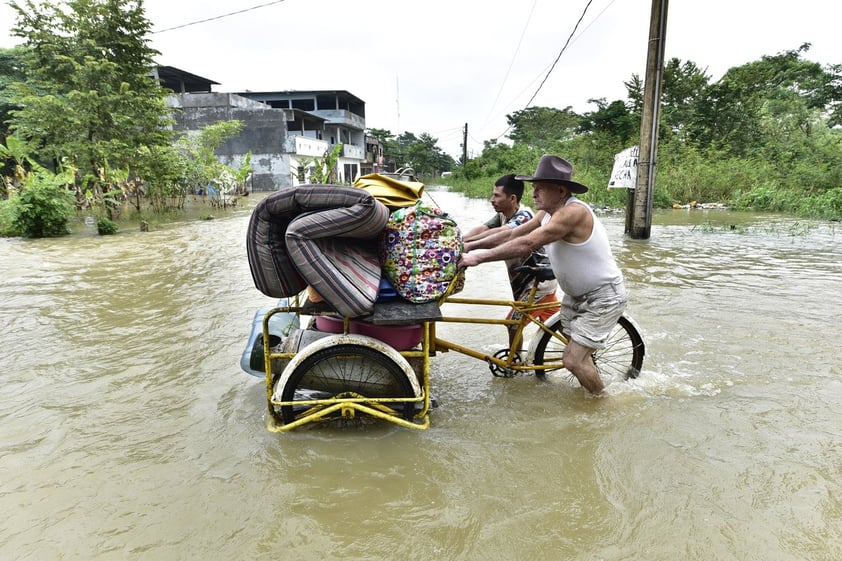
[{"x": 128, "y": 430}]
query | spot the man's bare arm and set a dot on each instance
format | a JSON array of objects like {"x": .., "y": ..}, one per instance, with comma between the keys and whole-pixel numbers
[
  {"x": 498, "y": 236},
  {"x": 476, "y": 232},
  {"x": 472, "y": 237}
]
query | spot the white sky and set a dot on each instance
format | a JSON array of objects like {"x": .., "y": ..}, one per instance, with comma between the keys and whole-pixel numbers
[{"x": 434, "y": 65}]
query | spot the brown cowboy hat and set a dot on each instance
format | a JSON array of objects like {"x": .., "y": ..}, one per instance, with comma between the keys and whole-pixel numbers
[{"x": 553, "y": 169}]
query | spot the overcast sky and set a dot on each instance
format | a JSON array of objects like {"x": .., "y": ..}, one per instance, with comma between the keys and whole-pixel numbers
[{"x": 434, "y": 65}]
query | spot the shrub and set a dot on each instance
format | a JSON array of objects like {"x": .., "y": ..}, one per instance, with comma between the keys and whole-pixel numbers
[
  {"x": 105, "y": 226},
  {"x": 7, "y": 211},
  {"x": 828, "y": 205},
  {"x": 42, "y": 211}
]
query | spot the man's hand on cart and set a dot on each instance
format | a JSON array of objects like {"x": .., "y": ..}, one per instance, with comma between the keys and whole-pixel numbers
[{"x": 465, "y": 261}]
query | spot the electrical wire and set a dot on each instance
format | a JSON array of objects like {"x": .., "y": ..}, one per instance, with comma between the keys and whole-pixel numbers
[
  {"x": 509, "y": 69},
  {"x": 553, "y": 65},
  {"x": 218, "y": 17}
]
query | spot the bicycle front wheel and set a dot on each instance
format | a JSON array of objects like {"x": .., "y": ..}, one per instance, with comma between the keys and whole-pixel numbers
[{"x": 620, "y": 359}]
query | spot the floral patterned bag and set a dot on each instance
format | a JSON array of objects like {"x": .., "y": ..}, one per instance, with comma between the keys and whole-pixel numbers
[{"x": 419, "y": 250}]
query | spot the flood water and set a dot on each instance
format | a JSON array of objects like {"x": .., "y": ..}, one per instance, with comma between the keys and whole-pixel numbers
[{"x": 129, "y": 431}]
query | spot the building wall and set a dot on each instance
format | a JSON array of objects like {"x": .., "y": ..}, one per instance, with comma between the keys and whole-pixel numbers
[
  {"x": 275, "y": 152},
  {"x": 264, "y": 134}
]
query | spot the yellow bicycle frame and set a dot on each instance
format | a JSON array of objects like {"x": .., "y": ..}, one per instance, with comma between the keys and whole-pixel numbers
[{"x": 524, "y": 308}]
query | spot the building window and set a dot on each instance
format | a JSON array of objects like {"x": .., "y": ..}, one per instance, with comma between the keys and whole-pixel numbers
[
  {"x": 326, "y": 102},
  {"x": 351, "y": 171},
  {"x": 304, "y": 104}
]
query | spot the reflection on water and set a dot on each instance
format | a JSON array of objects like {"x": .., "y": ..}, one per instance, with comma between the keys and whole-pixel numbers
[{"x": 129, "y": 431}]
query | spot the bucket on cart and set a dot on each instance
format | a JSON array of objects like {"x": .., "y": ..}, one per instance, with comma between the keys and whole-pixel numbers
[
  {"x": 399, "y": 337},
  {"x": 281, "y": 326}
]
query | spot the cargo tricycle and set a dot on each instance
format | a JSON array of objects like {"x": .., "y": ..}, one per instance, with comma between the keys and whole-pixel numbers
[{"x": 337, "y": 369}]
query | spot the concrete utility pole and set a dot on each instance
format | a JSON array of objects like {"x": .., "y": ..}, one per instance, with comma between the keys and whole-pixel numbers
[{"x": 640, "y": 218}]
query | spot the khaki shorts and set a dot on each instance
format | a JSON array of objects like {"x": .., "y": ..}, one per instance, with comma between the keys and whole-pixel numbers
[{"x": 588, "y": 319}]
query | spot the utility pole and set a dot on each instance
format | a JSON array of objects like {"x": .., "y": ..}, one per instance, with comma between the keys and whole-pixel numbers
[
  {"x": 465, "y": 145},
  {"x": 639, "y": 223}
]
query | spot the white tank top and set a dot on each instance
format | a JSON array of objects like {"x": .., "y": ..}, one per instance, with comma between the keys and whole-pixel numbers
[{"x": 583, "y": 267}]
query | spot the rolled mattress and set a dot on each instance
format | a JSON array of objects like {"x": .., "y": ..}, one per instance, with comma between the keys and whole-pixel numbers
[{"x": 324, "y": 236}]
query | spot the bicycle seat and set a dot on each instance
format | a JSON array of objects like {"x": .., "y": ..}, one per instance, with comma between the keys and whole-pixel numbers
[{"x": 538, "y": 273}]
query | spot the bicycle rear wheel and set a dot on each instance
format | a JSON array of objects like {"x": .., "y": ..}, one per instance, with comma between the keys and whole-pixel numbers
[{"x": 620, "y": 359}]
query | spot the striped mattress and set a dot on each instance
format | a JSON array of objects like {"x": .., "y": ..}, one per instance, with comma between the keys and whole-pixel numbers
[{"x": 325, "y": 236}]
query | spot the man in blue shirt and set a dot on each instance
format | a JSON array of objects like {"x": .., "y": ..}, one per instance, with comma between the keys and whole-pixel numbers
[{"x": 509, "y": 214}]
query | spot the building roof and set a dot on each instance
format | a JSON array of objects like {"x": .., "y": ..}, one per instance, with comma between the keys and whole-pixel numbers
[
  {"x": 344, "y": 94},
  {"x": 180, "y": 81}
]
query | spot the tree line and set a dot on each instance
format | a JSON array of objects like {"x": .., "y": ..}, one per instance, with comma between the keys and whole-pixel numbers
[
  {"x": 766, "y": 136},
  {"x": 83, "y": 125}
]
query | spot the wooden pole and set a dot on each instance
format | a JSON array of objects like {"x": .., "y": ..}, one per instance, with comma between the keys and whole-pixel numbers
[
  {"x": 465, "y": 145},
  {"x": 641, "y": 215}
]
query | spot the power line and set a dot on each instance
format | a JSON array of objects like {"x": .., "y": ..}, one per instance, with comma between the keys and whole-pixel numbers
[
  {"x": 219, "y": 17},
  {"x": 552, "y": 66},
  {"x": 509, "y": 69},
  {"x": 569, "y": 37}
]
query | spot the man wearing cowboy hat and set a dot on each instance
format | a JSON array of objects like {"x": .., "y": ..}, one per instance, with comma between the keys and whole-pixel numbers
[{"x": 580, "y": 256}]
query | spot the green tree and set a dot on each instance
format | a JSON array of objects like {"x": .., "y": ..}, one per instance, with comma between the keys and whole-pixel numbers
[
  {"x": 321, "y": 170},
  {"x": 88, "y": 101},
  {"x": 424, "y": 155},
  {"x": 500, "y": 158},
  {"x": 685, "y": 85},
  {"x": 832, "y": 90},
  {"x": 403, "y": 141},
  {"x": 540, "y": 127},
  {"x": 203, "y": 167},
  {"x": 17, "y": 164},
  {"x": 421, "y": 152},
  {"x": 612, "y": 119},
  {"x": 731, "y": 112},
  {"x": 383, "y": 135},
  {"x": 11, "y": 71},
  {"x": 765, "y": 136}
]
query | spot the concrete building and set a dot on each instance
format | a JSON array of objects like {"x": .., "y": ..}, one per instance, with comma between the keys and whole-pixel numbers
[{"x": 283, "y": 130}]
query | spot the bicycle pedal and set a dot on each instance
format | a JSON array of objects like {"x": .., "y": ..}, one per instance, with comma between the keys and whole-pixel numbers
[{"x": 501, "y": 370}]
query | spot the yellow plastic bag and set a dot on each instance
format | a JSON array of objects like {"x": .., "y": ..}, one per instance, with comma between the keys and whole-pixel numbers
[{"x": 390, "y": 191}]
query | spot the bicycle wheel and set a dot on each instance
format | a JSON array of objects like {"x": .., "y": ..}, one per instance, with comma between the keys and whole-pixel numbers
[
  {"x": 345, "y": 370},
  {"x": 620, "y": 359}
]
